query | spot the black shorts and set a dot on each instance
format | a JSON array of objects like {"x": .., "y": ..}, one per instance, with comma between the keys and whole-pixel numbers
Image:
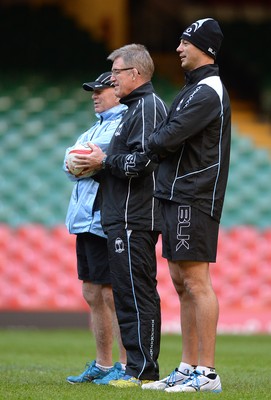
[
  {"x": 188, "y": 234},
  {"x": 92, "y": 259}
]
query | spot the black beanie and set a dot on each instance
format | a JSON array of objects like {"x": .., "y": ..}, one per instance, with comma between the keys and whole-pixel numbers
[{"x": 206, "y": 35}]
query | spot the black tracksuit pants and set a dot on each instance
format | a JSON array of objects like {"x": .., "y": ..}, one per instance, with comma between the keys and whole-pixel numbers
[{"x": 132, "y": 262}]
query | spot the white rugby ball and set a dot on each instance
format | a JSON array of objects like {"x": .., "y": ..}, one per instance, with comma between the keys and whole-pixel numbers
[{"x": 78, "y": 149}]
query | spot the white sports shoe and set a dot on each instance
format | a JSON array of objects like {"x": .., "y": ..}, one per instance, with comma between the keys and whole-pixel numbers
[
  {"x": 175, "y": 378},
  {"x": 197, "y": 382}
]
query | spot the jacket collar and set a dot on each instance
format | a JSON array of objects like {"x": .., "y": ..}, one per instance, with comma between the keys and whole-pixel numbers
[
  {"x": 137, "y": 94},
  {"x": 201, "y": 72},
  {"x": 111, "y": 114}
]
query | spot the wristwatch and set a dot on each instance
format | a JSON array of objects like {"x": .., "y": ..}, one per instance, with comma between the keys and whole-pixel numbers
[{"x": 103, "y": 162}]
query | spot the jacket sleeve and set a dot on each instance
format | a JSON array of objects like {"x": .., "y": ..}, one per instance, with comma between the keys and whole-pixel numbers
[
  {"x": 194, "y": 115},
  {"x": 131, "y": 165}
]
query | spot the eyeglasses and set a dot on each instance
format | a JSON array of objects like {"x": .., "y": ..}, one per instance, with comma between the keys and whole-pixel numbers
[{"x": 117, "y": 71}]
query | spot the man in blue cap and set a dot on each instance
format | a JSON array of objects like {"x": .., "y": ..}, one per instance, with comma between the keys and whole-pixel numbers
[{"x": 84, "y": 220}]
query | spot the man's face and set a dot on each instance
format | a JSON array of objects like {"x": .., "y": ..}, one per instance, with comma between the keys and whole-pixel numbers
[
  {"x": 191, "y": 57},
  {"x": 103, "y": 99},
  {"x": 123, "y": 77}
]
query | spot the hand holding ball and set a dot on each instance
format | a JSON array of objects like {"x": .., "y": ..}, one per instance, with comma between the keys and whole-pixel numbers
[{"x": 71, "y": 160}]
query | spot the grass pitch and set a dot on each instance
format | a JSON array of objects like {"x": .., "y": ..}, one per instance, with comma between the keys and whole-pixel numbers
[{"x": 34, "y": 365}]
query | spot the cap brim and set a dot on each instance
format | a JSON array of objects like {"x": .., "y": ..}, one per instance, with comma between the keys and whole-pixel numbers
[{"x": 90, "y": 86}]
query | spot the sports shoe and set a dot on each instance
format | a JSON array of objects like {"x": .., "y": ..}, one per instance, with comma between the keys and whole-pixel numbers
[
  {"x": 175, "y": 378},
  {"x": 128, "y": 381},
  {"x": 91, "y": 372},
  {"x": 115, "y": 373},
  {"x": 197, "y": 382}
]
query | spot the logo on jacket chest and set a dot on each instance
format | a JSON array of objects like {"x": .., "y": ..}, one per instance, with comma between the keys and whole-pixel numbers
[
  {"x": 119, "y": 245},
  {"x": 118, "y": 130},
  {"x": 190, "y": 98}
]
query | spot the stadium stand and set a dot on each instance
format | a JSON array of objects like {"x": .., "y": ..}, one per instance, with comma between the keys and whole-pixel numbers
[
  {"x": 42, "y": 113},
  {"x": 38, "y": 120}
]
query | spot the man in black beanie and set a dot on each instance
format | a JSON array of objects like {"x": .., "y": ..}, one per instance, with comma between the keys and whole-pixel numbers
[
  {"x": 192, "y": 147},
  {"x": 206, "y": 35}
]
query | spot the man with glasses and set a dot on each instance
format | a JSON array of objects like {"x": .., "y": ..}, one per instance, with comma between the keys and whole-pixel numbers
[{"x": 130, "y": 214}]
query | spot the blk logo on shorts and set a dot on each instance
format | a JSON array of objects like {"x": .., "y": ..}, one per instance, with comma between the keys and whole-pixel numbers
[
  {"x": 119, "y": 245},
  {"x": 184, "y": 217}
]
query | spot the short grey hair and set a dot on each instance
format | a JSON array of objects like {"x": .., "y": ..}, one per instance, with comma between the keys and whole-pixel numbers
[{"x": 137, "y": 56}]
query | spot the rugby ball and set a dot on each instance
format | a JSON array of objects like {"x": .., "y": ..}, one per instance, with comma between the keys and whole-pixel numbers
[{"x": 78, "y": 149}]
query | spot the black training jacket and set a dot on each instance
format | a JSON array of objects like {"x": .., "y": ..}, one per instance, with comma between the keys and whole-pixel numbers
[
  {"x": 129, "y": 179},
  {"x": 193, "y": 144}
]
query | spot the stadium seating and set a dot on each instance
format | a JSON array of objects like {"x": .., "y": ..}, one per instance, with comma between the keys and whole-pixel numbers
[
  {"x": 38, "y": 272},
  {"x": 39, "y": 119},
  {"x": 37, "y": 125}
]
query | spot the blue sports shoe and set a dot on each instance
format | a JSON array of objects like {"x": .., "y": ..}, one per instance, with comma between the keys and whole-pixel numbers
[
  {"x": 91, "y": 372},
  {"x": 114, "y": 374}
]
